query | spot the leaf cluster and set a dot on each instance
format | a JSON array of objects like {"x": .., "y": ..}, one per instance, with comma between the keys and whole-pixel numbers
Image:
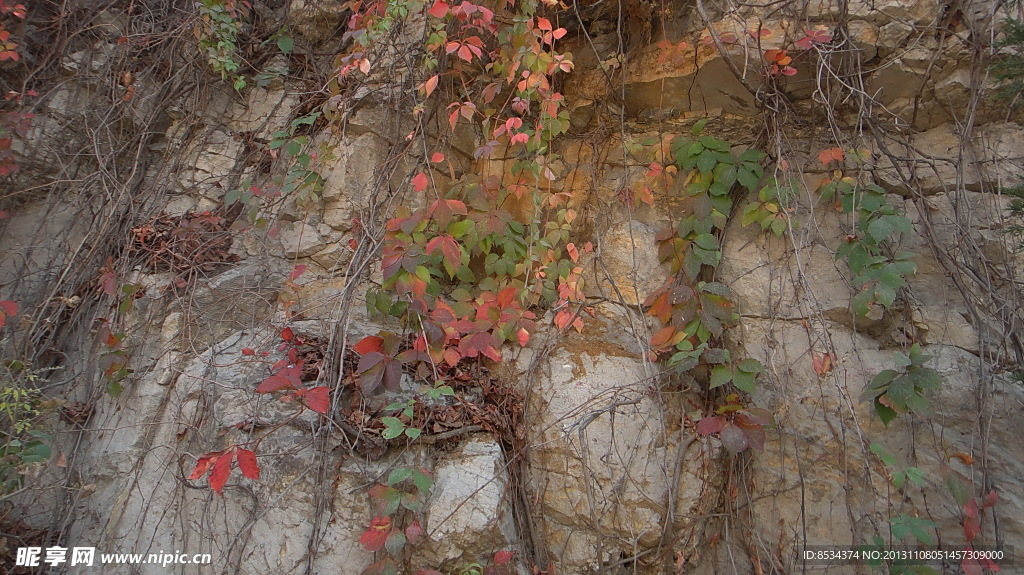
[
  {"x": 901, "y": 390},
  {"x": 877, "y": 275}
]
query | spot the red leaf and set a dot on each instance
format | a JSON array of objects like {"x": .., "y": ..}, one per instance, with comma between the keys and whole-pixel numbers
[
  {"x": 318, "y": 399},
  {"x": 287, "y": 334},
  {"x": 420, "y": 181},
  {"x": 247, "y": 463},
  {"x": 502, "y": 557},
  {"x": 273, "y": 383},
  {"x": 373, "y": 538},
  {"x": 298, "y": 271},
  {"x": 368, "y": 344},
  {"x": 287, "y": 378},
  {"x": 543, "y": 24},
  {"x": 248, "y": 351},
  {"x": 9, "y": 307},
  {"x": 439, "y": 9},
  {"x": 204, "y": 464},
  {"x": 437, "y": 157},
  {"x": 221, "y": 470},
  {"x": 523, "y": 337},
  {"x": 450, "y": 250}
]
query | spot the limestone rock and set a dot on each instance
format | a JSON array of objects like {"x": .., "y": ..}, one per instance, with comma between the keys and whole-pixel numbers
[
  {"x": 601, "y": 455},
  {"x": 628, "y": 263},
  {"x": 468, "y": 515},
  {"x": 301, "y": 241}
]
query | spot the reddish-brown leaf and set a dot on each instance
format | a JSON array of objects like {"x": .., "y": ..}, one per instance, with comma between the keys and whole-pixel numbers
[
  {"x": 414, "y": 531},
  {"x": 710, "y": 425},
  {"x": 661, "y": 307},
  {"x": 287, "y": 334},
  {"x": 502, "y": 557},
  {"x": 247, "y": 463},
  {"x": 248, "y": 351}
]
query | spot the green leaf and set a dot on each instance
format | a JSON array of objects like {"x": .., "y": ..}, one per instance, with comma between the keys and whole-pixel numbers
[
  {"x": 706, "y": 162},
  {"x": 285, "y": 44},
  {"x": 885, "y": 413},
  {"x": 744, "y": 380},
  {"x": 749, "y": 175},
  {"x": 422, "y": 481},
  {"x": 752, "y": 156},
  {"x": 751, "y": 365},
  {"x": 232, "y": 196},
  {"x": 916, "y": 476},
  {"x": 706, "y": 241},
  {"x": 399, "y": 475},
  {"x": 900, "y": 391},
  {"x": 886, "y": 457},
  {"x": 720, "y": 375},
  {"x": 698, "y": 127},
  {"x": 904, "y": 526}
]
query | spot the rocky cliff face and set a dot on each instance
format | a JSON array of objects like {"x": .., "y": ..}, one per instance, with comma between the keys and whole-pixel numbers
[{"x": 164, "y": 308}]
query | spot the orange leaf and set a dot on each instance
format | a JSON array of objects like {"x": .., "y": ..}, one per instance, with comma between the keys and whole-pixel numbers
[
  {"x": 830, "y": 154},
  {"x": 964, "y": 458},
  {"x": 523, "y": 336},
  {"x": 430, "y": 85},
  {"x": 823, "y": 363},
  {"x": 663, "y": 336}
]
